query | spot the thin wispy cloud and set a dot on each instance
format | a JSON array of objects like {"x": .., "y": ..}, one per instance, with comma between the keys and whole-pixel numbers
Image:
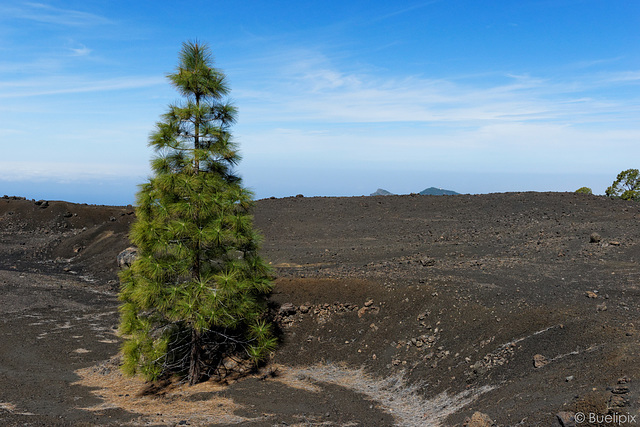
[
  {"x": 314, "y": 91},
  {"x": 44, "y": 13},
  {"x": 80, "y": 51},
  {"x": 74, "y": 84},
  {"x": 66, "y": 172},
  {"x": 405, "y": 10}
]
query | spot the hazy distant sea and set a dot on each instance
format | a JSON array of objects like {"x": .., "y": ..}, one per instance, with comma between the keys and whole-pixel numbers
[
  {"x": 289, "y": 182},
  {"x": 107, "y": 192}
]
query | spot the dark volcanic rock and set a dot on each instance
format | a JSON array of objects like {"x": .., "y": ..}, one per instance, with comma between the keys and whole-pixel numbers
[
  {"x": 464, "y": 290},
  {"x": 127, "y": 257}
]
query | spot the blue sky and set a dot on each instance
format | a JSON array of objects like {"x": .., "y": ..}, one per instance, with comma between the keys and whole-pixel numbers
[{"x": 334, "y": 97}]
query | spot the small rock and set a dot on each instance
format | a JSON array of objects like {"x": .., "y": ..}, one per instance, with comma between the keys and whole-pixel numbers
[
  {"x": 368, "y": 303},
  {"x": 478, "y": 419},
  {"x": 601, "y": 307},
  {"x": 595, "y": 238},
  {"x": 539, "y": 361},
  {"x": 127, "y": 257},
  {"x": 614, "y": 243},
  {"x": 591, "y": 294},
  {"x": 620, "y": 389},
  {"x": 565, "y": 419},
  {"x": 569, "y": 378},
  {"x": 624, "y": 380},
  {"x": 287, "y": 309},
  {"x": 304, "y": 308}
]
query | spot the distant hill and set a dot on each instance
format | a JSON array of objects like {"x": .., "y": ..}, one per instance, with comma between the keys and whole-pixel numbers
[
  {"x": 381, "y": 192},
  {"x": 433, "y": 191}
]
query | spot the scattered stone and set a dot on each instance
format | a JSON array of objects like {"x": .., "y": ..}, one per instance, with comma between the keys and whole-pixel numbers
[
  {"x": 614, "y": 243},
  {"x": 591, "y": 294},
  {"x": 539, "y": 361},
  {"x": 620, "y": 389},
  {"x": 595, "y": 238},
  {"x": 617, "y": 401},
  {"x": 304, "y": 308},
  {"x": 127, "y": 257},
  {"x": 565, "y": 419},
  {"x": 569, "y": 378},
  {"x": 112, "y": 219},
  {"x": 601, "y": 307},
  {"x": 368, "y": 303},
  {"x": 67, "y": 214},
  {"x": 427, "y": 262},
  {"x": 478, "y": 419},
  {"x": 624, "y": 380},
  {"x": 287, "y": 309}
]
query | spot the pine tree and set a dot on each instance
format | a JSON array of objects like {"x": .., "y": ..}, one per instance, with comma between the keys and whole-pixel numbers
[{"x": 196, "y": 295}]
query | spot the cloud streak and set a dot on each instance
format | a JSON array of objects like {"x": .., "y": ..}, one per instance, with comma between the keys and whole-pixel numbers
[
  {"x": 73, "y": 84},
  {"x": 67, "y": 172},
  {"x": 311, "y": 91},
  {"x": 43, "y": 13}
]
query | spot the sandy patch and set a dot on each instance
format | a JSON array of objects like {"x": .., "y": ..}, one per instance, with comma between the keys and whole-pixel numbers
[
  {"x": 391, "y": 394},
  {"x": 169, "y": 405}
]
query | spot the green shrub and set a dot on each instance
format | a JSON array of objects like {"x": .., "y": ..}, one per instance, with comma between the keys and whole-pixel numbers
[{"x": 584, "y": 190}]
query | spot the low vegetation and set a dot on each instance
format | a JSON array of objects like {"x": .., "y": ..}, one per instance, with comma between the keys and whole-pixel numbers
[{"x": 626, "y": 186}]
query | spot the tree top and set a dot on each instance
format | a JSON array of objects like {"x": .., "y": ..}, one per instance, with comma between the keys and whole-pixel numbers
[{"x": 196, "y": 75}]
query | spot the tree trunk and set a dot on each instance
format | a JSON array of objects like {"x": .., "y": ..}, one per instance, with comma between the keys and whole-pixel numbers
[{"x": 194, "y": 362}]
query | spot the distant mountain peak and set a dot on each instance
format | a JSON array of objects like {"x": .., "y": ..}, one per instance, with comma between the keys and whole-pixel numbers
[
  {"x": 433, "y": 191},
  {"x": 382, "y": 192}
]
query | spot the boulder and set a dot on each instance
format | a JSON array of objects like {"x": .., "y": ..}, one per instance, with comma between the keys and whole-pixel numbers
[{"x": 127, "y": 257}]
